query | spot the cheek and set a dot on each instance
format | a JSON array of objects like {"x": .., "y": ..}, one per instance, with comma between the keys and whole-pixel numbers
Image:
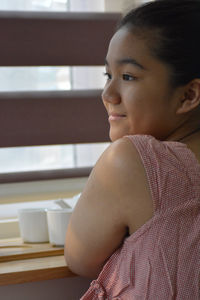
[
  {"x": 135, "y": 92},
  {"x": 135, "y": 102}
]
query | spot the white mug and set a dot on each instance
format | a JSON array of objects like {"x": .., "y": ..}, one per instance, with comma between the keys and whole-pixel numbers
[
  {"x": 58, "y": 220},
  {"x": 33, "y": 225}
]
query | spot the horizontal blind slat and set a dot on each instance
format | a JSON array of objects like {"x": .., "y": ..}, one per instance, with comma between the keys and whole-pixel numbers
[
  {"x": 55, "y": 39},
  {"x": 44, "y": 175},
  {"x": 52, "y": 118}
]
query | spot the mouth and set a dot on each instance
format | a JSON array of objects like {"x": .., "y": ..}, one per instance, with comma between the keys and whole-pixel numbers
[{"x": 116, "y": 117}]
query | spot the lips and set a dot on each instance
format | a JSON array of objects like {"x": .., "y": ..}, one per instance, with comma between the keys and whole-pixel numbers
[{"x": 116, "y": 117}]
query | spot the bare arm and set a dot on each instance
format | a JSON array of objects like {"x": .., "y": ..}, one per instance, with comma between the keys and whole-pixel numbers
[{"x": 100, "y": 220}]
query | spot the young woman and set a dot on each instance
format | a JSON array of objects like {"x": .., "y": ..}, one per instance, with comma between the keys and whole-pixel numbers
[{"x": 136, "y": 225}]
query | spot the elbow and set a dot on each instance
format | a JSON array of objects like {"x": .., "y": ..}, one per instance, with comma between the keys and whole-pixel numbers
[
  {"x": 82, "y": 268},
  {"x": 82, "y": 271}
]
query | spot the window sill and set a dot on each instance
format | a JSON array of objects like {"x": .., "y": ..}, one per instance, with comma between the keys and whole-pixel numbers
[{"x": 22, "y": 270}]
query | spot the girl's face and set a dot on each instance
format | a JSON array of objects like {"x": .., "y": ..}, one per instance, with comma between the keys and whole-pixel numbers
[{"x": 137, "y": 94}]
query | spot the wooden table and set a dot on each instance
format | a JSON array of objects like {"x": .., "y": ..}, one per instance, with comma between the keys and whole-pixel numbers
[{"x": 20, "y": 263}]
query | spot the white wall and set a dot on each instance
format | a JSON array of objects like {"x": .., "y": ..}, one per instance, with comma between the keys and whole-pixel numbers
[
  {"x": 121, "y": 5},
  {"x": 56, "y": 289}
]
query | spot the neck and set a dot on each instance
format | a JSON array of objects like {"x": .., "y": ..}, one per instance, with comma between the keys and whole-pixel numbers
[
  {"x": 188, "y": 135},
  {"x": 185, "y": 132}
]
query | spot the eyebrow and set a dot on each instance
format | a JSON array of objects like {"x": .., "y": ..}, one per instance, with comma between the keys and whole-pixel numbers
[{"x": 125, "y": 61}]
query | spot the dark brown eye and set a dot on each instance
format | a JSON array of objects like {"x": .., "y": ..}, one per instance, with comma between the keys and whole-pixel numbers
[
  {"x": 128, "y": 77},
  {"x": 107, "y": 75}
]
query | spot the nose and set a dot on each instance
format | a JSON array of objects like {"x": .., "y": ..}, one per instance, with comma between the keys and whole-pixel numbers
[{"x": 111, "y": 94}]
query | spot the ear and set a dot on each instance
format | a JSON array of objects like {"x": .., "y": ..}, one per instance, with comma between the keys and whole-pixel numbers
[{"x": 190, "y": 98}]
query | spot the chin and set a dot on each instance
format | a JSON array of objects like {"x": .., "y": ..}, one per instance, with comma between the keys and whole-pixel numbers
[{"x": 114, "y": 136}]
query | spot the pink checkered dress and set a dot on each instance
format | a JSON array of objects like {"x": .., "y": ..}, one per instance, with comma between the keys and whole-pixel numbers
[{"x": 161, "y": 260}]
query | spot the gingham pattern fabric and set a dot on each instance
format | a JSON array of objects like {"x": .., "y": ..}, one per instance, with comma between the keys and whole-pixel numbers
[{"x": 161, "y": 260}]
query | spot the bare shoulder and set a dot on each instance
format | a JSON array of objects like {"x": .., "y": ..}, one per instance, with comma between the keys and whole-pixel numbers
[
  {"x": 123, "y": 162},
  {"x": 115, "y": 200},
  {"x": 119, "y": 178},
  {"x": 120, "y": 156},
  {"x": 123, "y": 171}
]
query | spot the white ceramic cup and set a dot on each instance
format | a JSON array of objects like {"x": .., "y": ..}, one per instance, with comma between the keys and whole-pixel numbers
[
  {"x": 58, "y": 220},
  {"x": 33, "y": 225}
]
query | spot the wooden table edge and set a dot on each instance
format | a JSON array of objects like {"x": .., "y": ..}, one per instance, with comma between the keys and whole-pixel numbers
[{"x": 40, "y": 274}]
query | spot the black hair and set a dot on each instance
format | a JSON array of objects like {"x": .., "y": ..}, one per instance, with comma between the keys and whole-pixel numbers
[{"x": 176, "y": 24}]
